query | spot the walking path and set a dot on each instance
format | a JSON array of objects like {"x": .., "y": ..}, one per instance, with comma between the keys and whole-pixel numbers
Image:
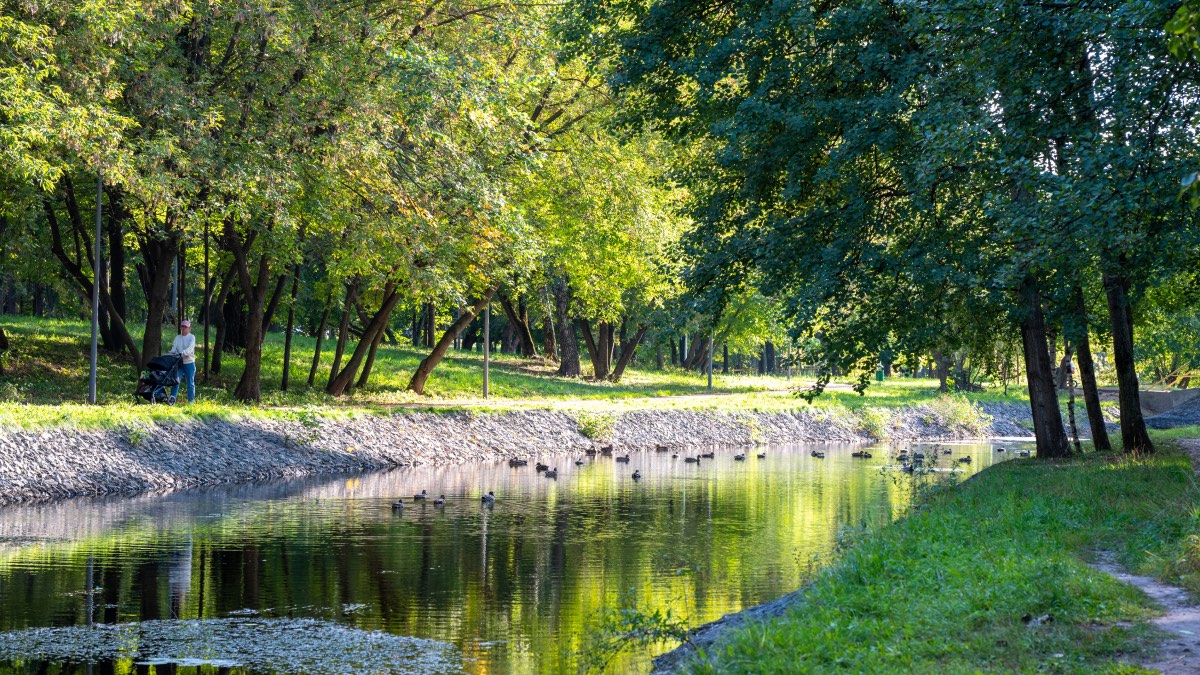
[{"x": 1180, "y": 651}]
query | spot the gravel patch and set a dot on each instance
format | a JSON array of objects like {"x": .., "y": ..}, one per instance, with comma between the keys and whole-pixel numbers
[{"x": 62, "y": 463}]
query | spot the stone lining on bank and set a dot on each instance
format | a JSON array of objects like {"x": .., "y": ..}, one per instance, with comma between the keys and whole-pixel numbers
[{"x": 63, "y": 463}]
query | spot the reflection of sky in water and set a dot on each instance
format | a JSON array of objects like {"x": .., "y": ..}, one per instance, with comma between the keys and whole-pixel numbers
[{"x": 515, "y": 588}]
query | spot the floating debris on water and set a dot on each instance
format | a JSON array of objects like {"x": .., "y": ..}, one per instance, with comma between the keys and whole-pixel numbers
[{"x": 276, "y": 645}]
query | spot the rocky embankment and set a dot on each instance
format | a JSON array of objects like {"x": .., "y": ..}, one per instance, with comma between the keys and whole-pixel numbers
[{"x": 60, "y": 463}]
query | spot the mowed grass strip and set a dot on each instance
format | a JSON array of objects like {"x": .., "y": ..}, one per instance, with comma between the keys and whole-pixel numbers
[
  {"x": 45, "y": 385},
  {"x": 952, "y": 587}
]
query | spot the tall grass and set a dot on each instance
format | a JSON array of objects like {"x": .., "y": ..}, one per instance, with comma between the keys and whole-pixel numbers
[{"x": 953, "y": 587}]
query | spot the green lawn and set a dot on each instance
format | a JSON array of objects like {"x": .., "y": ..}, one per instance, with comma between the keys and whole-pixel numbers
[
  {"x": 946, "y": 589},
  {"x": 45, "y": 384}
]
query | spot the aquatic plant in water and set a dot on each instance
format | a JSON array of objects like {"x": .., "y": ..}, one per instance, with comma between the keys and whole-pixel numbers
[{"x": 275, "y": 645}]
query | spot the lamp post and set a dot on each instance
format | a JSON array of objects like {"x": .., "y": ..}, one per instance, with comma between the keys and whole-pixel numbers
[
  {"x": 712, "y": 344},
  {"x": 487, "y": 344}
]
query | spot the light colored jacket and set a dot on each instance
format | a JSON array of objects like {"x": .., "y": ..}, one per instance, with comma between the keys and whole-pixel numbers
[{"x": 185, "y": 345}]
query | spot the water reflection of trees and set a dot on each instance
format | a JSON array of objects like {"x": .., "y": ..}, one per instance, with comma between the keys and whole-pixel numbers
[{"x": 514, "y": 586}]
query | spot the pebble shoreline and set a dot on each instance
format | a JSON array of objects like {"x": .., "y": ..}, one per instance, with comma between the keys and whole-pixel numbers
[{"x": 37, "y": 466}]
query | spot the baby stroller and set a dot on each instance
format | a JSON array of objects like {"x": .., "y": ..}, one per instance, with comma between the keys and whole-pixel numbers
[{"x": 160, "y": 375}]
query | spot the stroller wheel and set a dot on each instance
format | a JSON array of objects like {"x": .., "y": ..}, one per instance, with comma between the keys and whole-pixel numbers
[{"x": 171, "y": 400}]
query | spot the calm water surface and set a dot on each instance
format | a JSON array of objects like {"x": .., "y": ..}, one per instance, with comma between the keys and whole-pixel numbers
[{"x": 322, "y": 575}]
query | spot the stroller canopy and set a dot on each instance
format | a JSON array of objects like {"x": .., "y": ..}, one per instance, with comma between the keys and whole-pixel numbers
[{"x": 164, "y": 363}]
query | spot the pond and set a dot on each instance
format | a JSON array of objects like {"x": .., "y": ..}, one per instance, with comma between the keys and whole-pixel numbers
[{"x": 322, "y": 575}]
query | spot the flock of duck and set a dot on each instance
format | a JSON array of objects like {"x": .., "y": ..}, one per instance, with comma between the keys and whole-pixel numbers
[
  {"x": 908, "y": 463},
  {"x": 912, "y": 462}
]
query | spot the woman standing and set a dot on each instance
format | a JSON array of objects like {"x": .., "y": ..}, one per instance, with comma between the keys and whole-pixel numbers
[{"x": 185, "y": 346}]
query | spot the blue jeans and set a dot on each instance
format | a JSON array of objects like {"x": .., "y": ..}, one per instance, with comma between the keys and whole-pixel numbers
[{"x": 188, "y": 372}]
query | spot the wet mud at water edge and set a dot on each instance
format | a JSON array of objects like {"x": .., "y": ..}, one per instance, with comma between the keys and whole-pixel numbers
[{"x": 324, "y": 575}]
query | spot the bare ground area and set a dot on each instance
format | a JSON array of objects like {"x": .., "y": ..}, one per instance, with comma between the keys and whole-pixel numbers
[{"x": 1180, "y": 651}]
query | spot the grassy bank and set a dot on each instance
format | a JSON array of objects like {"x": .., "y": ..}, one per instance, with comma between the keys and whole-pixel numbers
[
  {"x": 45, "y": 384},
  {"x": 952, "y": 587}
]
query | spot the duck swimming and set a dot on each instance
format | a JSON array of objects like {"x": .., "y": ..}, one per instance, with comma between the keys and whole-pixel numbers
[
  {"x": 762, "y": 455},
  {"x": 691, "y": 460},
  {"x": 440, "y": 501},
  {"x": 739, "y": 458},
  {"x": 552, "y": 473},
  {"x": 579, "y": 462},
  {"x": 624, "y": 459},
  {"x": 637, "y": 475},
  {"x": 489, "y": 498},
  {"x": 514, "y": 462},
  {"x": 540, "y": 467},
  {"x": 419, "y": 497},
  {"x": 398, "y": 505}
]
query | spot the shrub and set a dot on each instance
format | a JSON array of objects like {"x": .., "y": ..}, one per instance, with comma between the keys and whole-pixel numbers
[
  {"x": 9, "y": 392},
  {"x": 958, "y": 413},
  {"x": 876, "y": 422},
  {"x": 596, "y": 426}
]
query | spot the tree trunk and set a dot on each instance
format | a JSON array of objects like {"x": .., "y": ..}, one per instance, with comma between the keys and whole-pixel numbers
[
  {"x": 430, "y": 328},
  {"x": 1133, "y": 425},
  {"x": 550, "y": 344},
  {"x": 316, "y": 359},
  {"x": 370, "y": 362},
  {"x": 769, "y": 353},
  {"x": 942, "y": 362},
  {"x": 658, "y": 357},
  {"x": 725, "y": 358},
  {"x": 249, "y": 387},
  {"x": 674, "y": 353},
  {"x": 158, "y": 257},
  {"x": 568, "y": 342},
  {"x": 1043, "y": 397},
  {"x": 82, "y": 281},
  {"x": 421, "y": 376},
  {"x": 518, "y": 318},
  {"x": 218, "y": 310},
  {"x": 1087, "y": 377},
  {"x": 341, "y": 384},
  {"x": 343, "y": 332},
  {"x": 595, "y": 348},
  {"x": 117, "y": 213},
  {"x": 627, "y": 352}
]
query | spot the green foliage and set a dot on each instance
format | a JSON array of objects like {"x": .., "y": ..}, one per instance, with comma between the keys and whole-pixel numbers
[
  {"x": 136, "y": 434},
  {"x": 945, "y": 589},
  {"x": 594, "y": 425},
  {"x": 630, "y": 627},
  {"x": 959, "y": 414},
  {"x": 876, "y": 422}
]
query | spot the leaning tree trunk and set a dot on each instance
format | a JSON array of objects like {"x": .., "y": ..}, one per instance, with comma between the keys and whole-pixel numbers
[
  {"x": 341, "y": 384},
  {"x": 595, "y": 348},
  {"x": 627, "y": 352},
  {"x": 425, "y": 369},
  {"x": 370, "y": 362},
  {"x": 343, "y": 332},
  {"x": 1133, "y": 425},
  {"x": 519, "y": 319},
  {"x": 316, "y": 359},
  {"x": 1043, "y": 397},
  {"x": 550, "y": 344},
  {"x": 1087, "y": 377},
  {"x": 568, "y": 342}
]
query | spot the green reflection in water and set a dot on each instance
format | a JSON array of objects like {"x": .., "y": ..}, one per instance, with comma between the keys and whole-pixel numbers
[{"x": 515, "y": 588}]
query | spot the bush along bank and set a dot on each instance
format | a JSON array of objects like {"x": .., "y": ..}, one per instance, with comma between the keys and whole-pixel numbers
[
  {"x": 988, "y": 576},
  {"x": 63, "y": 462}
]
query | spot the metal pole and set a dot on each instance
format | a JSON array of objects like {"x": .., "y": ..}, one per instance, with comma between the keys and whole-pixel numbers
[
  {"x": 712, "y": 344},
  {"x": 98, "y": 277},
  {"x": 207, "y": 299},
  {"x": 487, "y": 344}
]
